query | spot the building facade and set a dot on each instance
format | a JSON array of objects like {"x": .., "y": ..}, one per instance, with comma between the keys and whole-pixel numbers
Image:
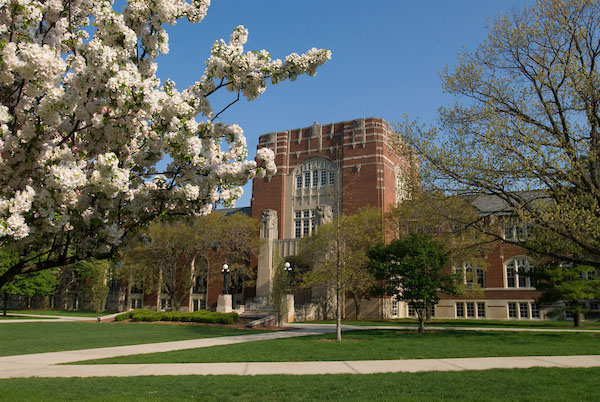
[{"x": 323, "y": 170}]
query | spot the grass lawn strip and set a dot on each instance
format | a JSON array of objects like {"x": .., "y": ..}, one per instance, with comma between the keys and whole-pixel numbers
[
  {"x": 381, "y": 345},
  {"x": 38, "y": 337},
  {"x": 534, "y": 384},
  {"x": 546, "y": 324},
  {"x": 66, "y": 313}
]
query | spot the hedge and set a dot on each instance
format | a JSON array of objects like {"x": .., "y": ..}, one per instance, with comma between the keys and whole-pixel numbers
[{"x": 202, "y": 316}]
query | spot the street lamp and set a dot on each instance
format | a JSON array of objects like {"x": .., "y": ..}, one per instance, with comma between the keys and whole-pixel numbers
[
  {"x": 225, "y": 271},
  {"x": 288, "y": 268}
]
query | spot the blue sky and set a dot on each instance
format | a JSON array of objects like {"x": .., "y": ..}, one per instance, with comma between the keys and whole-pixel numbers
[{"x": 386, "y": 57}]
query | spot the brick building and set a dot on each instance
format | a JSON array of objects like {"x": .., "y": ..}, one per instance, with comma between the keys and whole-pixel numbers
[
  {"x": 349, "y": 165},
  {"x": 323, "y": 170}
]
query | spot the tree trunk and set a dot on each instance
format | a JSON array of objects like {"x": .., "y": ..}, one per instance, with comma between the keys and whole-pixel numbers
[
  {"x": 421, "y": 320},
  {"x": 576, "y": 319},
  {"x": 427, "y": 311},
  {"x": 5, "y": 300},
  {"x": 356, "y": 305}
]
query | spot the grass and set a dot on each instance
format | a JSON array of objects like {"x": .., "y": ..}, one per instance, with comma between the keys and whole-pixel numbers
[
  {"x": 23, "y": 317},
  {"x": 36, "y": 337},
  {"x": 534, "y": 384},
  {"x": 546, "y": 324},
  {"x": 382, "y": 345},
  {"x": 68, "y": 313}
]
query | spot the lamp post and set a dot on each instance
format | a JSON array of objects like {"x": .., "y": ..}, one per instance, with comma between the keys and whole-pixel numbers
[
  {"x": 288, "y": 269},
  {"x": 225, "y": 271}
]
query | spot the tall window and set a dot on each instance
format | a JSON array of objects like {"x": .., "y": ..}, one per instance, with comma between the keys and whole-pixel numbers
[
  {"x": 470, "y": 309},
  {"x": 514, "y": 229},
  {"x": 314, "y": 173},
  {"x": 517, "y": 273},
  {"x": 471, "y": 275},
  {"x": 523, "y": 310},
  {"x": 305, "y": 222}
]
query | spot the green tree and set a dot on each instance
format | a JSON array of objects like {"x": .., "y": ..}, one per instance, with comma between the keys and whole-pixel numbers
[
  {"x": 164, "y": 257},
  {"x": 93, "y": 275},
  {"x": 341, "y": 245},
  {"x": 413, "y": 270},
  {"x": 28, "y": 285},
  {"x": 526, "y": 117},
  {"x": 452, "y": 221},
  {"x": 568, "y": 284}
]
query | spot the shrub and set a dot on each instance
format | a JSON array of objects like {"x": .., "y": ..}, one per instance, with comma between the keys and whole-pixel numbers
[{"x": 202, "y": 316}]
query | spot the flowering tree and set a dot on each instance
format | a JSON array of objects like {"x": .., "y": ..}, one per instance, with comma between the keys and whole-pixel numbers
[{"x": 84, "y": 121}]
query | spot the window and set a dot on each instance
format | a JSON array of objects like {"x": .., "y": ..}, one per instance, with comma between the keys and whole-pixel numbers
[
  {"x": 471, "y": 275},
  {"x": 199, "y": 284},
  {"x": 411, "y": 311},
  {"x": 331, "y": 178},
  {"x": 512, "y": 310},
  {"x": 460, "y": 309},
  {"x": 523, "y": 310},
  {"x": 394, "y": 308},
  {"x": 432, "y": 310},
  {"x": 470, "y": 310},
  {"x": 517, "y": 273},
  {"x": 535, "y": 313},
  {"x": 305, "y": 222},
  {"x": 514, "y": 229},
  {"x": 481, "y": 310},
  {"x": 313, "y": 173}
]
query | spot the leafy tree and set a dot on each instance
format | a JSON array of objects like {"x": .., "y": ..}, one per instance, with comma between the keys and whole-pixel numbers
[
  {"x": 84, "y": 120},
  {"x": 452, "y": 221},
  {"x": 29, "y": 285},
  {"x": 526, "y": 117},
  {"x": 342, "y": 245},
  {"x": 94, "y": 276},
  {"x": 413, "y": 270},
  {"x": 570, "y": 284},
  {"x": 164, "y": 257}
]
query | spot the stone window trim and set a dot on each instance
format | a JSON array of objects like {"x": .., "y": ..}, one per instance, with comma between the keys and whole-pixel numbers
[{"x": 512, "y": 267}]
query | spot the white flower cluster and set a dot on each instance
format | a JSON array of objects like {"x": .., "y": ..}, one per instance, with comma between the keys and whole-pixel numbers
[{"x": 84, "y": 120}]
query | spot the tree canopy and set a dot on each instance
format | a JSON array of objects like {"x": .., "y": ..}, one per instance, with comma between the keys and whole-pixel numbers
[
  {"x": 342, "y": 245},
  {"x": 84, "y": 121},
  {"x": 526, "y": 117},
  {"x": 413, "y": 270},
  {"x": 165, "y": 256}
]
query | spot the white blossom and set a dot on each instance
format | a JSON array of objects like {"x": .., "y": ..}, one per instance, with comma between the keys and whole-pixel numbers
[{"x": 84, "y": 121}]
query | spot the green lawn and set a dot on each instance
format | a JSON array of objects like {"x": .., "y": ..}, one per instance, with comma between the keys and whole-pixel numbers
[
  {"x": 22, "y": 317},
  {"x": 76, "y": 313},
  {"x": 548, "y": 324},
  {"x": 534, "y": 384},
  {"x": 383, "y": 345},
  {"x": 36, "y": 337}
]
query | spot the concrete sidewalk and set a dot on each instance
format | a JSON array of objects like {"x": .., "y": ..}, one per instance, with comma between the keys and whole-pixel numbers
[
  {"x": 303, "y": 368},
  {"x": 45, "y": 364},
  {"x": 55, "y": 318},
  {"x": 21, "y": 365}
]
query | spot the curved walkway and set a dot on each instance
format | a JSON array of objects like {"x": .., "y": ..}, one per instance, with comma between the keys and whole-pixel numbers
[{"x": 46, "y": 364}]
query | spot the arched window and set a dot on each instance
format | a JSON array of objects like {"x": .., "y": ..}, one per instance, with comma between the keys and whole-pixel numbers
[
  {"x": 315, "y": 173},
  {"x": 516, "y": 273},
  {"x": 314, "y": 180},
  {"x": 471, "y": 275}
]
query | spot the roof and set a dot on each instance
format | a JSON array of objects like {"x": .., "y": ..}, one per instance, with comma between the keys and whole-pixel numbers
[
  {"x": 491, "y": 204},
  {"x": 231, "y": 211}
]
